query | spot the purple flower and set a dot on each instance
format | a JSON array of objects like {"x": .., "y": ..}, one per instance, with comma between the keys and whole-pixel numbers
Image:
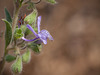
[{"x": 42, "y": 35}]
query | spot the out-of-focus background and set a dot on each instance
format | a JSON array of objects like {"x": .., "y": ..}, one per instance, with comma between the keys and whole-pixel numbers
[{"x": 75, "y": 27}]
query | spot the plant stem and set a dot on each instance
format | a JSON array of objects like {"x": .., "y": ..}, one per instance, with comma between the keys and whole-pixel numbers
[
  {"x": 15, "y": 19},
  {"x": 2, "y": 63}
]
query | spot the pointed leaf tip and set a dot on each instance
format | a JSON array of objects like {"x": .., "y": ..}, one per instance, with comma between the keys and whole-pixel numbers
[{"x": 8, "y": 17}]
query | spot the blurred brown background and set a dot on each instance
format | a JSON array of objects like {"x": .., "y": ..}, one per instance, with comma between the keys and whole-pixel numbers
[{"x": 75, "y": 26}]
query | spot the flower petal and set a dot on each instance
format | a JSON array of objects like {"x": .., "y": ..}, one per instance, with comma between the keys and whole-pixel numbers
[
  {"x": 38, "y": 23},
  {"x": 30, "y": 39},
  {"x": 47, "y": 34},
  {"x": 30, "y": 28},
  {"x": 50, "y": 37},
  {"x": 44, "y": 40}
]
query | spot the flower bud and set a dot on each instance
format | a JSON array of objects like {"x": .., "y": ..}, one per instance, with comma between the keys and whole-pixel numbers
[
  {"x": 26, "y": 56},
  {"x": 17, "y": 65},
  {"x": 18, "y": 33},
  {"x": 31, "y": 18}
]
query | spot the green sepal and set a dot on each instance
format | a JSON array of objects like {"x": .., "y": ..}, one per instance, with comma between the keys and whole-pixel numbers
[
  {"x": 8, "y": 33},
  {"x": 23, "y": 28},
  {"x": 51, "y": 1},
  {"x": 17, "y": 65},
  {"x": 10, "y": 58},
  {"x": 18, "y": 33},
  {"x": 8, "y": 17},
  {"x": 26, "y": 56},
  {"x": 31, "y": 18},
  {"x": 35, "y": 47}
]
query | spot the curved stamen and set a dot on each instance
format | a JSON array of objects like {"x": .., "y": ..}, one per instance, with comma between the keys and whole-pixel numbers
[{"x": 30, "y": 39}]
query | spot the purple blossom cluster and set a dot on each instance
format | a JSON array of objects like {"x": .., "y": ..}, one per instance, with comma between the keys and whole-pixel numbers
[{"x": 43, "y": 35}]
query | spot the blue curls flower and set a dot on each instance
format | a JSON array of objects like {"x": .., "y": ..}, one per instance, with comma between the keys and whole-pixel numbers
[{"x": 42, "y": 35}]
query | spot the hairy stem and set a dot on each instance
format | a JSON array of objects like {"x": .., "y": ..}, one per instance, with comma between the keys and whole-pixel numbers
[
  {"x": 2, "y": 63},
  {"x": 15, "y": 19}
]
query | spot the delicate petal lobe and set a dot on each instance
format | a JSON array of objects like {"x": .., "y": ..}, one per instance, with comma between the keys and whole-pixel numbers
[
  {"x": 50, "y": 37},
  {"x": 38, "y": 23},
  {"x": 44, "y": 40},
  {"x": 47, "y": 34}
]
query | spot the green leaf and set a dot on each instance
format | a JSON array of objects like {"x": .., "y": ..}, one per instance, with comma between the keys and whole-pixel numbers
[
  {"x": 51, "y": 1},
  {"x": 31, "y": 18},
  {"x": 18, "y": 33},
  {"x": 17, "y": 65},
  {"x": 26, "y": 56},
  {"x": 8, "y": 33},
  {"x": 10, "y": 58},
  {"x": 8, "y": 17},
  {"x": 35, "y": 47}
]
